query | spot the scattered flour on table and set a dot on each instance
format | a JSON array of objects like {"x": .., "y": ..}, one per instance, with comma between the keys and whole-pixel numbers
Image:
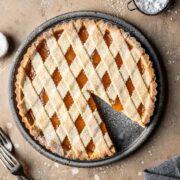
[
  {"x": 151, "y": 6},
  {"x": 96, "y": 177},
  {"x": 171, "y": 61},
  {"x": 75, "y": 171},
  {"x": 9, "y": 125},
  {"x": 177, "y": 77},
  {"x": 56, "y": 165},
  {"x": 44, "y": 5},
  {"x": 142, "y": 162},
  {"x": 16, "y": 146},
  {"x": 117, "y": 7},
  {"x": 150, "y": 152}
]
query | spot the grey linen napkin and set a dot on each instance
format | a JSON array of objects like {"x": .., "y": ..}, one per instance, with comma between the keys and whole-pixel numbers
[{"x": 169, "y": 170}]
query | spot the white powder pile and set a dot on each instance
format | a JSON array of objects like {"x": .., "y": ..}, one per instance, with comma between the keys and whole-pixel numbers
[
  {"x": 151, "y": 6},
  {"x": 3, "y": 45}
]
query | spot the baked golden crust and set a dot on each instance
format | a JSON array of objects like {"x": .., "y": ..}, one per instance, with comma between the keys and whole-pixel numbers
[{"x": 149, "y": 82}]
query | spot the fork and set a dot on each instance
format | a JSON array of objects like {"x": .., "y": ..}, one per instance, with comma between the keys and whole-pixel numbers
[
  {"x": 12, "y": 163},
  {"x": 5, "y": 140}
]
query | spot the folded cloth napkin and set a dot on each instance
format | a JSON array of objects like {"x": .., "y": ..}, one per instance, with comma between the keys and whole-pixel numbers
[{"x": 169, "y": 170}]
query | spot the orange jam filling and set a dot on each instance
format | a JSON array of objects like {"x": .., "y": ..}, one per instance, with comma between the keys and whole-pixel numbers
[
  {"x": 117, "y": 106},
  {"x": 70, "y": 55},
  {"x": 83, "y": 34},
  {"x": 107, "y": 38},
  {"x": 80, "y": 124},
  {"x": 66, "y": 144},
  {"x": 55, "y": 121},
  {"x": 140, "y": 67},
  {"x": 57, "y": 33},
  {"x": 118, "y": 60},
  {"x": 141, "y": 110},
  {"x": 30, "y": 71},
  {"x": 95, "y": 58},
  {"x": 130, "y": 86},
  {"x": 106, "y": 80},
  {"x": 30, "y": 117},
  {"x": 56, "y": 77},
  {"x": 44, "y": 97},
  {"x": 90, "y": 148},
  {"x": 92, "y": 104},
  {"x": 68, "y": 100},
  {"x": 43, "y": 50},
  {"x": 103, "y": 128},
  {"x": 81, "y": 79}
]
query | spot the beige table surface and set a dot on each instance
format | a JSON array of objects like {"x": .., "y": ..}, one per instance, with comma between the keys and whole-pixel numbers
[{"x": 19, "y": 17}]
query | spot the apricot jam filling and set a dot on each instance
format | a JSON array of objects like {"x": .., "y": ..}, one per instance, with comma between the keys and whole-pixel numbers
[
  {"x": 106, "y": 80},
  {"x": 30, "y": 117},
  {"x": 70, "y": 55},
  {"x": 66, "y": 144},
  {"x": 55, "y": 121},
  {"x": 95, "y": 58},
  {"x": 56, "y": 77},
  {"x": 130, "y": 86},
  {"x": 43, "y": 50},
  {"x": 83, "y": 34},
  {"x": 90, "y": 148},
  {"x": 107, "y": 38},
  {"x": 80, "y": 124},
  {"x": 30, "y": 72},
  {"x": 117, "y": 106},
  {"x": 44, "y": 97}
]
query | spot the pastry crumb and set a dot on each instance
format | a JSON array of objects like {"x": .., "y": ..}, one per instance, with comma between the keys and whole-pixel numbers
[
  {"x": 75, "y": 171},
  {"x": 96, "y": 177}
]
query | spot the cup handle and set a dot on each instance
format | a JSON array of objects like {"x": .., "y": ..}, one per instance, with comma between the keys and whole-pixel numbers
[{"x": 130, "y": 8}]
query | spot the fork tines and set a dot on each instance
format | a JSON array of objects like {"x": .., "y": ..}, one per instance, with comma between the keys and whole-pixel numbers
[{"x": 8, "y": 160}]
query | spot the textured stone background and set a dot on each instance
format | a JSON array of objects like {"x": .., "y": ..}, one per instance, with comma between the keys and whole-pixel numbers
[{"x": 20, "y": 17}]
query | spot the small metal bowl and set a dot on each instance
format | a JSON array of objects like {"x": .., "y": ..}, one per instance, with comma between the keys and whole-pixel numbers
[{"x": 146, "y": 13}]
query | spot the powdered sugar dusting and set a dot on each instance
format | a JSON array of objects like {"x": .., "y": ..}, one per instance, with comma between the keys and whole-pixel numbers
[
  {"x": 96, "y": 177},
  {"x": 9, "y": 125},
  {"x": 56, "y": 165},
  {"x": 44, "y": 6},
  {"x": 117, "y": 7},
  {"x": 151, "y": 6},
  {"x": 75, "y": 171},
  {"x": 177, "y": 78},
  {"x": 16, "y": 146}
]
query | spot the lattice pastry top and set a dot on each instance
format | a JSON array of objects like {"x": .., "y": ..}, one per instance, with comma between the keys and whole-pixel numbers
[{"x": 63, "y": 68}]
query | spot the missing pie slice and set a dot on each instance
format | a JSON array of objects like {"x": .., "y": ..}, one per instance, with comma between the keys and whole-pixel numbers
[{"x": 63, "y": 68}]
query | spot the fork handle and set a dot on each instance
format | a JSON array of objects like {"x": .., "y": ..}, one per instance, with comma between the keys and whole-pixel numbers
[
  {"x": 20, "y": 178},
  {"x": 23, "y": 178}
]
